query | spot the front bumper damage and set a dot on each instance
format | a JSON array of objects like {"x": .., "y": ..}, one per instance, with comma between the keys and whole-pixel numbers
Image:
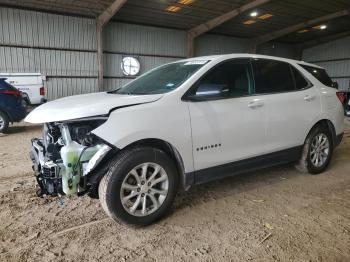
[
  {"x": 47, "y": 173},
  {"x": 57, "y": 171}
]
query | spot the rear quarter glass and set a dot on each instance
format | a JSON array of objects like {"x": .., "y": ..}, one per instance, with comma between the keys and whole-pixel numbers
[
  {"x": 320, "y": 74},
  {"x": 6, "y": 86}
]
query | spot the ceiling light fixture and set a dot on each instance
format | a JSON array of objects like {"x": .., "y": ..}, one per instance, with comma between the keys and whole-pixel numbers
[
  {"x": 249, "y": 22},
  {"x": 185, "y": 2},
  {"x": 265, "y": 16},
  {"x": 254, "y": 14},
  {"x": 172, "y": 8},
  {"x": 320, "y": 27}
]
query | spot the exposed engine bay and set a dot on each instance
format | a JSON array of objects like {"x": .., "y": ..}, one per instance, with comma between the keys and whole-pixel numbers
[{"x": 64, "y": 160}]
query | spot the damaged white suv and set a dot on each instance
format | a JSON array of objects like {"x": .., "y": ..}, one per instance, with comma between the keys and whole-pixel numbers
[{"x": 182, "y": 124}]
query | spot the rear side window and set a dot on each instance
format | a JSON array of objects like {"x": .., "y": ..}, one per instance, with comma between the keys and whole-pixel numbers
[
  {"x": 320, "y": 74},
  {"x": 5, "y": 86},
  {"x": 272, "y": 76},
  {"x": 300, "y": 81}
]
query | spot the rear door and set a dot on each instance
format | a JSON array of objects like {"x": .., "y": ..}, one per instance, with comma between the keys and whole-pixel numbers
[
  {"x": 228, "y": 123},
  {"x": 292, "y": 103}
]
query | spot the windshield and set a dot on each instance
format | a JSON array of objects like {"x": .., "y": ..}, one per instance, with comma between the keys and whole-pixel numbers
[{"x": 162, "y": 79}]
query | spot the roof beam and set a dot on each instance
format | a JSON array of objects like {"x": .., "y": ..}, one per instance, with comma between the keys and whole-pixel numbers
[
  {"x": 285, "y": 31},
  {"x": 101, "y": 20},
  {"x": 209, "y": 25},
  {"x": 322, "y": 40},
  {"x": 107, "y": 14}
]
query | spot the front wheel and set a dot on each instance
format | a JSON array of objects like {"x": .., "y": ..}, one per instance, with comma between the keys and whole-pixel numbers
[
  {"x": 139, "y": 187},
  {"x": 317, "y": 151}
]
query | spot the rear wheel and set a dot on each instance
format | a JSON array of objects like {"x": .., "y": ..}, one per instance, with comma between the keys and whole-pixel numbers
[
  {"x": 139, "y": 187},
  {"x": 25, "y": 102},
  {"x": 317, "y": 151},
  {"x": 4, "y": 122}
]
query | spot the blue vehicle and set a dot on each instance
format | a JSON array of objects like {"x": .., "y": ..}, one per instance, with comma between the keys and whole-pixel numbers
[{"x": 11, "y": 105}]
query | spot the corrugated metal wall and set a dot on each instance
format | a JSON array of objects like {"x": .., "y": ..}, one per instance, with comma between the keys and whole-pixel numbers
[
  {"x": 152, "y": 46},
  {"x": 136, "y": 39},
  {"x": 334, "y": 57},
  {"x": 63, "y": 48},
  {"x": 60, "y": 47},
  {"x": 210, "y": 44},
  {"x": 38, "y": 29},
  {"x": 278, "y": 49}
]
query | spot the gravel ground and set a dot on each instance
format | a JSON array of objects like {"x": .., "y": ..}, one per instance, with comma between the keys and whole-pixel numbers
[{"x": 276, "y": 214}]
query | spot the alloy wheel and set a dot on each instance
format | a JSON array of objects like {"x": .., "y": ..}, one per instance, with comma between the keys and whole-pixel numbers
[
  {"x": 319, "y": 150},
  {"x": 144, "y": 189}
]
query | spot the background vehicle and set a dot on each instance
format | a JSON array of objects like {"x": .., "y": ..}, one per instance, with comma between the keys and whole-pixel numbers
[
  {"x": 347, "y": 102},
  {"x": 186, "y": 123},
  {"x": 11, "y": 106},
  {"x": 344, "y": 97},
  {"x": 30, "y": 84}
]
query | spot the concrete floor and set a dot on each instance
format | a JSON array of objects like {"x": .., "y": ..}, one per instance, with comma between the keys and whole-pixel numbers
[{"x": 276, "y": 214}]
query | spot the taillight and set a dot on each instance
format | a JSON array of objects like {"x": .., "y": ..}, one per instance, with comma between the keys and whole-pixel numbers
[
  {"x": 11, "y": 92},
  {"x": 341, "y": 97},
  {"x": 42, "y": 91}
]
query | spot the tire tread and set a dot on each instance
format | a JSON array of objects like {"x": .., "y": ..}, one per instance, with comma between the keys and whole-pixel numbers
[
  {"x": 304, "y": 165},
  {"x": 7, "y": 122},
  {"x": 115, "y": 163}
]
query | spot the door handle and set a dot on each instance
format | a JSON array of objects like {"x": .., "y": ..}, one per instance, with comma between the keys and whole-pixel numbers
[
  {"x": 255, "y": 103},
  {"x": 309, "y": 98}
]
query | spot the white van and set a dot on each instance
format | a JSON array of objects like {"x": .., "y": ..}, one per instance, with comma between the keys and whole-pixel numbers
[{"x": 30, "y": 84}]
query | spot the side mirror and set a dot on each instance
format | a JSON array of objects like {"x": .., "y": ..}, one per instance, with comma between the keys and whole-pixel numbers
[
  {"x": 335, "y": 85},
  {"x": 209, "y": 92}
]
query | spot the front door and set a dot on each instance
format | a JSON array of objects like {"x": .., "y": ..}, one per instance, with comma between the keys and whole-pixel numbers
[{"x": 228, "y": 123}]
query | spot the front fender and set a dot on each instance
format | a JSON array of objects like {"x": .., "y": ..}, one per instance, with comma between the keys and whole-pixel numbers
[{"x": 169, "y": 122}]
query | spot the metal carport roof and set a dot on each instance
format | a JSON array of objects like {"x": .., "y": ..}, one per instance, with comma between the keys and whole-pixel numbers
[{"x": 153, "y": 12}]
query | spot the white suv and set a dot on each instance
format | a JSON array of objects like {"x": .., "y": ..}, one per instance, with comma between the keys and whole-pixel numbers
[{"x": 183, "y": 124}]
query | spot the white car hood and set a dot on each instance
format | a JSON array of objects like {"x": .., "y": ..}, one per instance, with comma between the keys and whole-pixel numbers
[{"x": 87, "y": 105}]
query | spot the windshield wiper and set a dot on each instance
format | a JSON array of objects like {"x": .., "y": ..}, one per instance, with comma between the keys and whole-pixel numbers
[{"x": 116, "y": 92}]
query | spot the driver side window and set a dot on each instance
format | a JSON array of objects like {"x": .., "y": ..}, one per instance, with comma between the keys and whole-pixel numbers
[{"x": 227, "y": 80}]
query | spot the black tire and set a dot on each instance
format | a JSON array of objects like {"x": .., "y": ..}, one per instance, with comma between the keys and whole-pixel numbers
[
  {"x": 4, "y": 127},
  {"x": 25, "y": 102},
  {"x": 110, "y": 185},
  {"x": 305, "y": 163}
]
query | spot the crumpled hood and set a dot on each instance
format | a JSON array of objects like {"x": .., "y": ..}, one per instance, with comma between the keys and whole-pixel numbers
[{"x": 87, "y": 105}]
